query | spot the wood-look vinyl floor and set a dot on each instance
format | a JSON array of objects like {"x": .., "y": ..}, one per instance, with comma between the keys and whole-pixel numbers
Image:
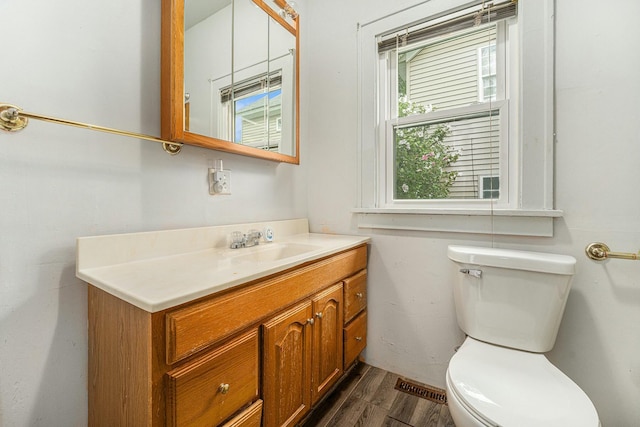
[{"x": 367, "y": 398}]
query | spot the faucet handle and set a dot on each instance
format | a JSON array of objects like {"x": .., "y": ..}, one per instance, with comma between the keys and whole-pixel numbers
[
  {"x": 237, "y": 240},
  {"x": 254, "y": 234}
]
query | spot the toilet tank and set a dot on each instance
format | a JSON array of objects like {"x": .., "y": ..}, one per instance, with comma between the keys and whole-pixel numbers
[{"x": 511, "y": 298}]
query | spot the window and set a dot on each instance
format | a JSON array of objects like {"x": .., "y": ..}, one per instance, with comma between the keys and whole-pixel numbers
[
  {"x": 489, "y": 187},
  {"x": 487, "y": 79},
  {"x": 446, "y": 104},
  {"x": 456, "y": 117},
  {"x": 253, "y": 111}
]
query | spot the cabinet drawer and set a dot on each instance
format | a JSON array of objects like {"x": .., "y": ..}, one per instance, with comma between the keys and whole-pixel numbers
[
  {"x": 200, "y": 325},
  {"x": 355, "y": 295},
  {"x": 355, "y": 338},
  {"x": 208, "y": 390},
  {"x": 250, "y": 417}
]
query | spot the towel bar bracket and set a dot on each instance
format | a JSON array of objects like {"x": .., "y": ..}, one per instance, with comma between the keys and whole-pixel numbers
[
  {"x": 598, "y": 251},
  {"x": 13, "y": 119}
]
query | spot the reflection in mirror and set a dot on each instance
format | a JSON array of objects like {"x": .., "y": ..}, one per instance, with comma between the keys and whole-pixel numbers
[
  {"x": 239, "y": 75},
  {"x": 207, "y": 55}
]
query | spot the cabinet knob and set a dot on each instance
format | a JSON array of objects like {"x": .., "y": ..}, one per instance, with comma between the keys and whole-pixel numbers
[
  {"x": 311, "y": 321},
  {"x": 319, "y": 315},
  {"x": 359, "y": 295},
  {"x": 223, "y": 388},
  {"x": 358, "y": 338}
]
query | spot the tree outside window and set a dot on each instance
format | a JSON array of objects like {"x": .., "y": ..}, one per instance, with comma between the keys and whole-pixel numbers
[{"x": 421, "y": 158}]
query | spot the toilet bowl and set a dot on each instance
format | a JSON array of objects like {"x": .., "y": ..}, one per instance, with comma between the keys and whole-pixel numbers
[
  {"x": 510, "y": 304},
  {"x": 488, "y": 385}
]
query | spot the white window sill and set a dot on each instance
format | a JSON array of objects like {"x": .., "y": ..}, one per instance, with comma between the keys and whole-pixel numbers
[{"x": 512, "y": 222}]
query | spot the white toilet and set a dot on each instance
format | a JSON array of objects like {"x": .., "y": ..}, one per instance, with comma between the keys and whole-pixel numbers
[{"x": 510, "y": 304}]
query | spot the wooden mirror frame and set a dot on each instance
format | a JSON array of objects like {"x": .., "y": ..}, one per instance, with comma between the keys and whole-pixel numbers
[{"x": 172, "y": 85}]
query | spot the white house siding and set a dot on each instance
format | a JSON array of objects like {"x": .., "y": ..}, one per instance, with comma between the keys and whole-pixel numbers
[
  {"x": 476, "y": 140},
  {"x": 445, "y": 75},
  {"x": 253, "y": 133}
]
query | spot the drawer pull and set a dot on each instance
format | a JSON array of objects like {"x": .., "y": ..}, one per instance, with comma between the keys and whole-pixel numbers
[
  {"x": 223, "y": 388},
  {"x": 319, "y": 315},
  {"x": 311, "y": 321},
  {"x": 359, "y": 295},
  {"x": 358, "y": 338}
]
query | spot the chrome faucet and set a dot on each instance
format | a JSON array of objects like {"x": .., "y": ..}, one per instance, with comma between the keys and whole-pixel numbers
[
  {"x": 253, "y": 238},
  {"x": 240, "y": 240}
]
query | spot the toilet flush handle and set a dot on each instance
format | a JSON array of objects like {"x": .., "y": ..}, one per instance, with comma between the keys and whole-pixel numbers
[{"x": 471, "y": 272}]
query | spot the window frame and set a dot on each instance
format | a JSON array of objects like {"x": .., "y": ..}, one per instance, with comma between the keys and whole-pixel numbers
[
  {"x": 259, "y": 84},
  {"x": 530, "y": 210},
  {"x": 387, "y": 99},
  {"x": 264, "y": 144},
  {"x": 387, "y": 175}
]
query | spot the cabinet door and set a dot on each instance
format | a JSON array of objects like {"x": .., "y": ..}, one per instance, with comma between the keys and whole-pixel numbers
[
  {"x": 326, "y": 359},
  {"x": 287, "y": 366}
]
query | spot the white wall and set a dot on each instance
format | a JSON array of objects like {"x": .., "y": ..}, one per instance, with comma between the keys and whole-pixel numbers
[
  {"x": 94, "y": 62},
  {"x": 412, "y": 327}
]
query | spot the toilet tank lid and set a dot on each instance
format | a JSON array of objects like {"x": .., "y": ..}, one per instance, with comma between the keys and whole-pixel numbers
[{"x": 513, "y": 259}]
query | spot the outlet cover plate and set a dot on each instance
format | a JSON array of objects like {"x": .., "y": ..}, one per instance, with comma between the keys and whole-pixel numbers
[{"x": 219, "y": 182}]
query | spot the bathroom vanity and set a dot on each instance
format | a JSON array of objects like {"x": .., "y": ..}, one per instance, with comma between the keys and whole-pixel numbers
[{"x": 217, "y": 336}]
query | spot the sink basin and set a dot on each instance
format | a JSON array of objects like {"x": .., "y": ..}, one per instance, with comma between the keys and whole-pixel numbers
[{"x": 272, "y": 252}]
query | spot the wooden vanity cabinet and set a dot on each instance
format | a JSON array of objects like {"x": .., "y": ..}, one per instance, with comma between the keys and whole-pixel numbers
[
  {"x": 302, "y": 357},
  {"x": 260, "y": 354}
]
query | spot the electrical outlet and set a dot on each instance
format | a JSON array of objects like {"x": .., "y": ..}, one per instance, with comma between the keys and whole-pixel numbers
[{"x": 219, "y": 182}]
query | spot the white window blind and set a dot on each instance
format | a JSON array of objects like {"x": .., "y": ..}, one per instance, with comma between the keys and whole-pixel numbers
[
  {"x": 458, "y": 19},
  {"x": 447, "y": 132}
]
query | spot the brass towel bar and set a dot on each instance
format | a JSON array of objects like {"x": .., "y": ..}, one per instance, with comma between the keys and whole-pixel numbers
[
  {"x": 599, "y": 252},
  {"x": 13, "y": 119}
]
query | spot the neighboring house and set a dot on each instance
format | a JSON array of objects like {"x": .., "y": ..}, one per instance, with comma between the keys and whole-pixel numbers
[
  {"x": 455, "y": 72},
  {"x": 252, "y": 115},
  {"x": 252, "y": 111}
]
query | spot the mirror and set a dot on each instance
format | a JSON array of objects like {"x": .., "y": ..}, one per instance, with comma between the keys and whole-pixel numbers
[{"x": 230, "y": 76}]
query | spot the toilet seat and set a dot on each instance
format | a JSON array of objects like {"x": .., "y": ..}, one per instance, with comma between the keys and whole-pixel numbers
[{"x": 507, "y": 387}]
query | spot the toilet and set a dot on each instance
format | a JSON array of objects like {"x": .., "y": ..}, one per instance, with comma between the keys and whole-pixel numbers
[{"x": 510, "y": 304}]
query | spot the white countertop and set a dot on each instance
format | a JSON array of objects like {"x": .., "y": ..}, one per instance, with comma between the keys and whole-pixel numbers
[{"x": 156, "y": 270}]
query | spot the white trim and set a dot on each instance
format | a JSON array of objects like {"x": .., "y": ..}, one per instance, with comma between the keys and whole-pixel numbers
[
  {"x": 507, "y": 222},
  {"x": 552, "y": 213},
  {"x": 531, "y": 124},
  {"x": 536, "y": 130},
  {"x": 449, "y": 113}
]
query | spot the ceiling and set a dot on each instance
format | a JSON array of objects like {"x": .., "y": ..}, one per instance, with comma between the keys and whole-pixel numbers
[{"x": 197, "y": 10}]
